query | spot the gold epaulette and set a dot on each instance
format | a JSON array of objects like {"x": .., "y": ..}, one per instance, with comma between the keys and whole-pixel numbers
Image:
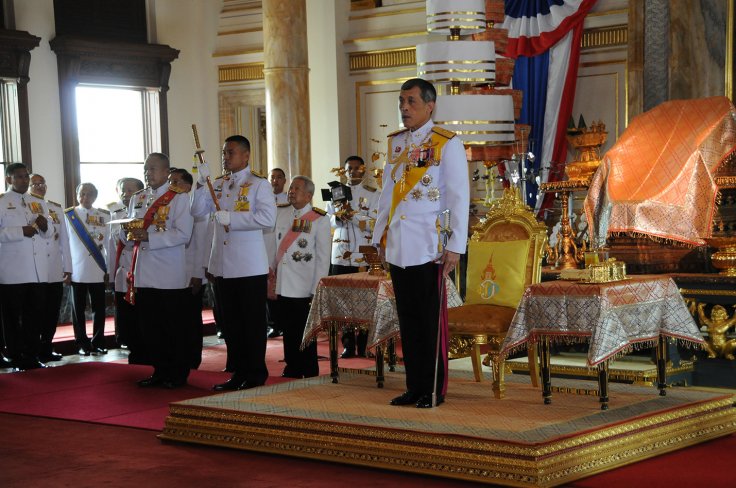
[
  {"x": 397, "y": 132},
  {"x": 53, "y": 203},
  {"x": 175, "y": 189},
  {"x": 258, "y": 174},
  {"x": 37, "y": 196},
  {"x": 68, "y": 209},
  {"x": 443, "y": 132},
  {"x": 369, "y": 188},
  {"x": 2, "y": 195},
  {"x": 282, "y": 205},
  {"x": 319, "y": 211}
]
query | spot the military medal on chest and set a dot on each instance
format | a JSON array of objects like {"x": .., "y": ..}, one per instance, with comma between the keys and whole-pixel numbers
[
  {"x": 241, "y": 202},
  {"x": 162, "y": 214}
]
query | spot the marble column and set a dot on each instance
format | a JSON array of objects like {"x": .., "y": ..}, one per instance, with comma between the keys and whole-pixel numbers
[{"x": 286, "y": 72}]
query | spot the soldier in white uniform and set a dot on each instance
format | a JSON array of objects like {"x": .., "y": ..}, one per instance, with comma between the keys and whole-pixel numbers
[
  {"x": 24, "y": 262},
  {"x": 238, "y": 260},
  {"x": 197, "y": 254},
  {"x": 87, "y": 230},
  {"x": 60, "y": 271},
  {"x": 301, "y": 260},
  {"x": 159, "y": 273},
  {"x": 352, "y": 223},
  {"x": 120, "y": 255},
  {"x": 426, "y": 173},
  {"x": 278, "y": 182}
]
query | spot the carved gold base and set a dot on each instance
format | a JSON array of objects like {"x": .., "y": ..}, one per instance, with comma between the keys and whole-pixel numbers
[
  {"x": 725, "y": 258},
  {"x": 366, "y": 435}
]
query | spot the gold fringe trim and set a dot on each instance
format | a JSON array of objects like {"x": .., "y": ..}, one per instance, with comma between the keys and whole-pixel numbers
[{"x": 667, "y": 241}]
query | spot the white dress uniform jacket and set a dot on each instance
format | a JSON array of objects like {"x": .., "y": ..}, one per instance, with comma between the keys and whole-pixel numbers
[
  {"x": 269, "y": 235},
  {"x": 23, "y": 259},
  {"x": 60, "y": 258},
  {"x": 198, "y": 249},
  {"x": 307, "y": 260},
  {"x": 413, "y": 236},
  {"x": 240, "y": 252},
  {"x": 281, "y": 198},
  {"x": 84, "y": 267},
  {"x": 119, "y": 275},
  {"x": 161, "y": 260},
  {"x": 348, "y": 236}
]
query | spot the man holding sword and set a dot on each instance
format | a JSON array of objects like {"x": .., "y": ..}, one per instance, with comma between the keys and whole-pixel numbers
[{"x": 421, "y": 231}]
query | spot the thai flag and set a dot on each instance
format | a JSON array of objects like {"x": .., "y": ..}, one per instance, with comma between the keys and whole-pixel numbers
[{"x": 544, "y": 38}]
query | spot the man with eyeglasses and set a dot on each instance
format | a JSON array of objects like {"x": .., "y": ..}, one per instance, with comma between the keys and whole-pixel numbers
[{"x": 60, "y": 271}]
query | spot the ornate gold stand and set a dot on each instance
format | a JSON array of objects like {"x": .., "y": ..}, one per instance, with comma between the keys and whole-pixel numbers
[
  {"x": 565, "y": 252},
  {"x": 725, "y": 258}
]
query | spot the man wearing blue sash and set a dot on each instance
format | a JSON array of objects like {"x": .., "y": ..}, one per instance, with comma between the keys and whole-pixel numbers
[{"x": 87, "y": 236}]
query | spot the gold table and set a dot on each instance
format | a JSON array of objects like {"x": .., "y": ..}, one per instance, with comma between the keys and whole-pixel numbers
[
  {"x": 613, "y": 318},
  {"x": 364, "y": 301}
]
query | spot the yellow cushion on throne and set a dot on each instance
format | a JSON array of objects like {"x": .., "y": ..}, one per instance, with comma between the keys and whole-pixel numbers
[{"x": 496, "y": 272}]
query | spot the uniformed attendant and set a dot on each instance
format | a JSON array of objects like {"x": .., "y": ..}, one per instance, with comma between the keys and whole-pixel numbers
[
  {"x": 278, "y": 182},
  {"x": 197, "y": 254},
  {"x": 352, "y": 223},
  {"x": 158, "y": 284},
  {"x": 302, "y": 258},
  {"x": 87, "y": 230},
  {"x": 24, "y": 264},
  {"x": 60, "y": 271},
  {"x": 238, "y": 260},
  {"x": 426, "y": 173},
  {"x": 120, "y": 256}
]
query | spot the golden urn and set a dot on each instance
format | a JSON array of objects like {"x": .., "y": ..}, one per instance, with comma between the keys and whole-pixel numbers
[
  {"x": 587, "y": 142},
  {"x": 724, "y": 259}
]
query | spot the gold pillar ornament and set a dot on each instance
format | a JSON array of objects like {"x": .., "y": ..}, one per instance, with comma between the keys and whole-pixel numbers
[{"x": 587, "y": 142}]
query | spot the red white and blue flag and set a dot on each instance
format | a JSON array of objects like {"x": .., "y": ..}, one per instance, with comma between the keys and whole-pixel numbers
[{"x": 544, "y": 38}]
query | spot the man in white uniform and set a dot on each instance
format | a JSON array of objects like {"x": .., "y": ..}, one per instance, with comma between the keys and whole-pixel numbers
[
  {"x": 301, "y": 260},
  {"x": 238, "y": 260},
  {"x": 351, "y": 220},
  {"x": 87, "y": 230},
  {"x": 278, "y": 182},
  {"x": 120, "y": 255},
  {"x": 60, "y": 271},
  {"x": 159, "y": 284},
  {"x": 24, "y": 262},
  {"x": 426, "y": 173}
]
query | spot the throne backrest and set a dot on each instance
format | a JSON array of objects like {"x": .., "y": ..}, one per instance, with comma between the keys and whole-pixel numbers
[{"x": 509, "y": 219}]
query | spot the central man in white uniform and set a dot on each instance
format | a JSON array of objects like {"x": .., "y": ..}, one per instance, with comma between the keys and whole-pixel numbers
[{"x": 238, "y": 260}]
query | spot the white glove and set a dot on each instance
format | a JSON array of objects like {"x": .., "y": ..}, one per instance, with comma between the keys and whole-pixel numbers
[
  {"x": 204, "y": 173},
  {"x": 222, "y": 217}
]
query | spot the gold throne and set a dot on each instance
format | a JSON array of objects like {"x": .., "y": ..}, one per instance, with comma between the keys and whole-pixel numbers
[{"x": 504, "y": 257}]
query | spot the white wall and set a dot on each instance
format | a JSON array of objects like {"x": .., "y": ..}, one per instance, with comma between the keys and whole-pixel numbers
[
  {"x": 191, "y": 27},
  {"x": 37, "y": 17},
  {"x": 325, "y": 61}
]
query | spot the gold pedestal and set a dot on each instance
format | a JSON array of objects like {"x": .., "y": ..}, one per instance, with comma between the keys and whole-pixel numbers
[
  {"x": 566, "y": 252},
  {"x": 724, "y": 259}
]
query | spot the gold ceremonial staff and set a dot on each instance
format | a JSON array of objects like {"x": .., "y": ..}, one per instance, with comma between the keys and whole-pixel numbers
[{"x": 200, "y": 155}]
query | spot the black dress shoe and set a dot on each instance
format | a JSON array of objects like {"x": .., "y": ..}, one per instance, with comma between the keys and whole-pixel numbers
[
  {"x": 275, "y": 333},
  {"x": 151, "y": 381},
  {"x": 247, "y": 385},
  {"x": 347, "y": 354},
  {"x": 406, "y": 398},
  {"x": 230, "y": 385},
  {"x": 286, "y": 374},
  {"x": 173, "y": 384},
  {"x": 50, "y": 357},
  {"x": 31, "y": 363},
  {"x": 85, "y": 351},
  {"x": 98, "y": 351},
  {"x": 425, "y": 401}
]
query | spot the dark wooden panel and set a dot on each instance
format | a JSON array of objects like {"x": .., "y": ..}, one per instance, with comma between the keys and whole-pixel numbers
[{"x": 123, "y": 20}]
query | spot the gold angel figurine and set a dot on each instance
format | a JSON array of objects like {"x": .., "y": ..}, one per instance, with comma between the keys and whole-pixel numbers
[{"x": 718, "y": 324}]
